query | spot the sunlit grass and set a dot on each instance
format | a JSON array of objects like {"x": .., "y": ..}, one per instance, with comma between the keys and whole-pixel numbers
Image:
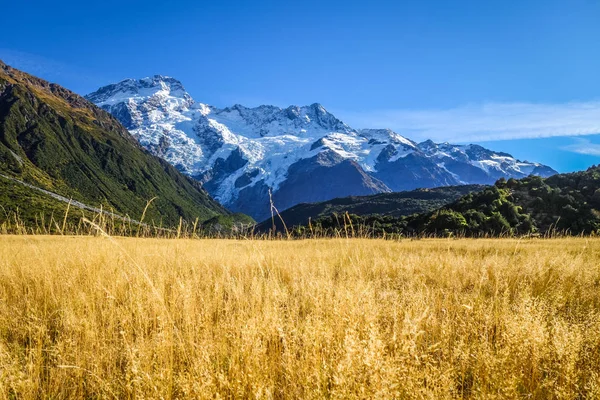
[{"x": 86, "y": 317}]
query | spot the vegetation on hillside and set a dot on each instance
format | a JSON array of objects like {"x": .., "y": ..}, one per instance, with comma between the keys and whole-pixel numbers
[
  {"x": 564, "y": 203},
  {"x": 22, "y": 207},
  {"x": 27, "y": 210},
  {"x": 395, "y": 204}
]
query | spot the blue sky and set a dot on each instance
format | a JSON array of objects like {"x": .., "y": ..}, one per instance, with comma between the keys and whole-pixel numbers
[{"x": 518, "y": 76}]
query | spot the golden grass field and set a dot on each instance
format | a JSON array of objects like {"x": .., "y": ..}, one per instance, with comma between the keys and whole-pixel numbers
[{"x": 92, "y": 317}]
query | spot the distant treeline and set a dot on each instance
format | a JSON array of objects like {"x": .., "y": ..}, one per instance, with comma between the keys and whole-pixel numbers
[{"x": 564, "y": 203}]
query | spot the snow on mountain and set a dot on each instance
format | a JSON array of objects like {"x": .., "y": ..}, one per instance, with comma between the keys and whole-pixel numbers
[{"x": 301, "y": 154}]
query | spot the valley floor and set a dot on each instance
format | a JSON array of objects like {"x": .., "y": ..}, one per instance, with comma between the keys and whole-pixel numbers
[{"x": 84, "y": 317}]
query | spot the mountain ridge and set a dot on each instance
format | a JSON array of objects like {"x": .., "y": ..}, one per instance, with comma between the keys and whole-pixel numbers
[{"x": 240, "y": 153}]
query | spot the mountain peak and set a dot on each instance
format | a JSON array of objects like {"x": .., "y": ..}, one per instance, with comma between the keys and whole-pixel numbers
[
  {"x": 427, "y": 145},
  {"x": 162, "y": 81},
  {"x": 318, "y": 108},
  {"x": 387, "y": 135},
  {"x": 136, "y": 88}
]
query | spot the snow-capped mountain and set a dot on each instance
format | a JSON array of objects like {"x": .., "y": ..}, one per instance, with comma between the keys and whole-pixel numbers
[{"x": 300, "y": 154}]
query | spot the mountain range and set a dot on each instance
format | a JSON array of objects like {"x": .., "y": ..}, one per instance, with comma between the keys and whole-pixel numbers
[
  {"x": 54, "y": 144},
  {"x": 250, "y": 158}
]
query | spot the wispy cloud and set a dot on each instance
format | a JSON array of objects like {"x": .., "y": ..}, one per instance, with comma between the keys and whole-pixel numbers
[
  {"x": 491, "y": 121},
  {"x": 583, "y": 146}
]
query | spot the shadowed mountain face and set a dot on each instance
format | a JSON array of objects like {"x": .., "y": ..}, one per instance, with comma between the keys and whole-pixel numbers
[
  {"x": 56, "y": 140},
  {"x": 301, "y": 154},
  {"x": 311, "y": 180}
]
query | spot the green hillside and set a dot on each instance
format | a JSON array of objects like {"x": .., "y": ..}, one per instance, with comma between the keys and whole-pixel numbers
[
  {"x": 564, "y": 203},
  {"x": 56, "y": 140},
  {"x": 396, "y": 204},
  {"x": 24, "y": 206}
]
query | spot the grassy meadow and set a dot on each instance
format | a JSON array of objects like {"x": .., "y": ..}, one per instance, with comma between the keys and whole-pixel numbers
[{"x": 97, "y": 317}]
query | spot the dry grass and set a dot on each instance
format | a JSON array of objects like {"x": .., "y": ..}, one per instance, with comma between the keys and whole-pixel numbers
[{"x": 341, "y": 318}]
